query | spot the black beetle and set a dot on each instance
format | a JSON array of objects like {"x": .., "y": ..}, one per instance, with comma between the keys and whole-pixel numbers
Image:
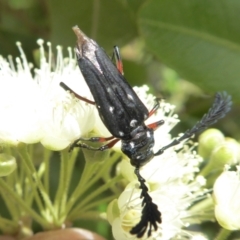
[{"x": 123, "y": 113}]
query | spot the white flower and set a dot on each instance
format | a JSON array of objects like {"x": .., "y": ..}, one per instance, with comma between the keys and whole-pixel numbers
[
  {"x": 226, "y": 195},
  {"x": 199, "y": 237},
  {"x": 172, "y": 185},
  {"x": 34, "y": 108}
]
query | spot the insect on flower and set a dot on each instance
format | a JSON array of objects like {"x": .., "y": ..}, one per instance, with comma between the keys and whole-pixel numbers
[{"x": 124, "y": 114}]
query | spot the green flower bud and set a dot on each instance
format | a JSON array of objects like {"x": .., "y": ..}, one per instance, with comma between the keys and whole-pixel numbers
[
  {"x": 226, "y": 153},
  {"x": 235, "y": 148},
  {"x": 208, "y": 140},
  {"x": 7, "y": 164}
]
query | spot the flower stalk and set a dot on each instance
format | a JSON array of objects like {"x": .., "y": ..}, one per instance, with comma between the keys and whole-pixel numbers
[
  {"x": 6, "y": 188},
  {"x": 223, "y": 234},
  {"x": 32, "y": 174},
  {"x": 93, "y": 171},
  {"x": 63, "y": 187}
]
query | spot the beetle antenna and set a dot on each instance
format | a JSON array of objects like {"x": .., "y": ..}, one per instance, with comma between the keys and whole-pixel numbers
[
  {"x": 150, "y": 213},
  {"x": 221, "y": 106}
]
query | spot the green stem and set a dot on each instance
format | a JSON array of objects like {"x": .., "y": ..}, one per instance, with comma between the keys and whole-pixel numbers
[
  {"x": 86, "y": 201},
  {"x": 206, "y": 170},
  {"x": 21, "y": 203},
  {"x": 32, "y": 173},
  {"x": 103, "y": 171},
  {"x": 29, "y": 188},
  {"x": 11, "y": 180},
  {"x": 223, "y": 234},
  {"x": 5, "y": 221},
  {"x": 88, "y": 178},
  {"x": 81, "y": 187},
  {"x": 8, "y": 226},
  {"x": 72, "y": 160},
  {"x": 204, "y": 205},
  {"x": 71, "y": 163},
  {"x": 91, "y": 215},
  {"x": 77, "y": 213},
  {"x": 97, "y": 192},
  {"x": 62, "y": 192},
  {"x": 113, "y": 188},
  {"x": 35, "y": 196},
  {"x": 46, "y": 160},
  {"x": 30, "y": 192},
  {"x": 12, "y": 208}
]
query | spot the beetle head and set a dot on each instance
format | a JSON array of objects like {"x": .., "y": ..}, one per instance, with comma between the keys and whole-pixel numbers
[{"x": 139, "y": 149}]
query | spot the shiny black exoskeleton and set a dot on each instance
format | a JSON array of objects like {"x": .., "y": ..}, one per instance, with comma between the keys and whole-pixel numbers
[{"x": 123, "y": 113}]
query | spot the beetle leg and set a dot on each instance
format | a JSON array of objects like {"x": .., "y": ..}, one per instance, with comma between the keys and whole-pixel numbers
[
  {"x": 96, "y": 139},
  {"x": 92, "y": 139},
  {"x": 118, "y": 59},
  {"x": 155, "y": 125},
  {"x": 65, "y": 87},
  {"x": 155, "y": 107},
  {"x": 102, "y": 148}
]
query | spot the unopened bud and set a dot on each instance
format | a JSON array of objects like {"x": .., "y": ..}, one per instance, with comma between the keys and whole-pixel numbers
[
  {"x": 7, "y": 164},
  {"x": 226, "y": 153},
  {"x": 208, "y": 140}
]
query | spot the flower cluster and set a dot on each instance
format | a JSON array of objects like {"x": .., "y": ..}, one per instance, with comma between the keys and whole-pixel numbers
[
  {"x": 172, "y": 182},
  {"x": 34, "y": 108}
]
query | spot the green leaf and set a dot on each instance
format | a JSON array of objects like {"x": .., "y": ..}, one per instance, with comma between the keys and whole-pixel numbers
[
  {"x": 106, "y": 21},
  {"x": 132, "y": 5},
  {"x": 8, "y": 40},
  {"x": 136, "y": 73},
  {"x": 199, "y": 39}
]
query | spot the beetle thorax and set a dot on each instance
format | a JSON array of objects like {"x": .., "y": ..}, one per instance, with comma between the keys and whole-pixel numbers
[{"x": 139, "y": 147}]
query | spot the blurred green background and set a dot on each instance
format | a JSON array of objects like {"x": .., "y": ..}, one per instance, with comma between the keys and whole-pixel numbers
[{"x": 185, "y": 50}]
